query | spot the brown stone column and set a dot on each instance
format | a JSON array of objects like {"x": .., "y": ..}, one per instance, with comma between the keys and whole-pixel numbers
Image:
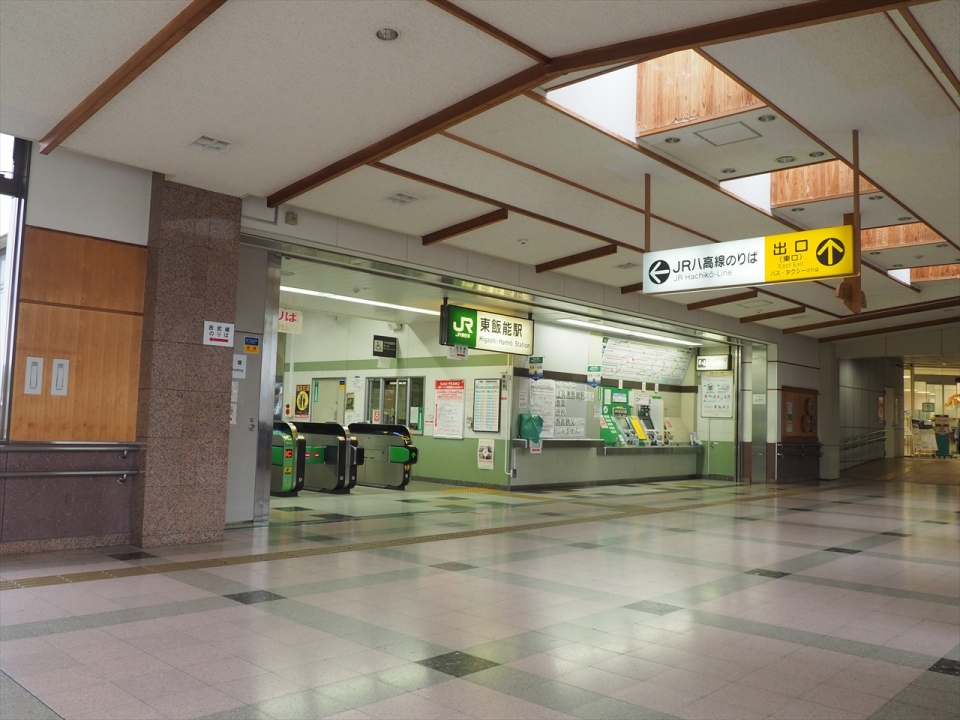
[{"x": 184, "y": 406}]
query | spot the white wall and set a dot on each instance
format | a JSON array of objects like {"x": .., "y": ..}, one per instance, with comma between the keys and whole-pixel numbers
[
  {"x": 88, "y": 196},
  {"x": 755, "y": 189}
]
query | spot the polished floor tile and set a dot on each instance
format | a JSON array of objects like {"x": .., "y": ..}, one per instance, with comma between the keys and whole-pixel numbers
[{"x": 663, "y": 600}]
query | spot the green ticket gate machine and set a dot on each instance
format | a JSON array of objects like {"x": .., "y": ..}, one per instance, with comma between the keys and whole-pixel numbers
[
  {"x": 332, "y": 456},
  {"x": 287, "y": 460},
  {"x": 388, "y": 455}
]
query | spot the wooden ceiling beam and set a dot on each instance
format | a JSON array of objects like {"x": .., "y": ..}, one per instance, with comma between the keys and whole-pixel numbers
[
  {"x": 928, "y": 45},
  {"x": 466, "y": 226},
  {"x": 878, "y": 315},
  {"x": 577, "y": 258},
  {"x": 701, "y": 304},
  {"x": 771, "y": 21},
  {"x": 627, "y": 289},
  {"x": 490, "y": 30},
  {"x": 774, "y": 314},
  {"x": 897, "y": 329},
  {"x": 888, "y": 276},
  {"x": 154, "y": 49}
]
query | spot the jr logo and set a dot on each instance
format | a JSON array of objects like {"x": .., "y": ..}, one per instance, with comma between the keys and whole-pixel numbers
[{"x": 464, "y": 325}]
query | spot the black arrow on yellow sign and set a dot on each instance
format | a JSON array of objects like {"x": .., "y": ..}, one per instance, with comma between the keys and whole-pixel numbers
[{"x": 830, "y": 252}]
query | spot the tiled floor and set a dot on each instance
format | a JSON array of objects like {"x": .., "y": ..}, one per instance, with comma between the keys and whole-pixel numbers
[
  {"x": 679, "y": 599},
  {"x": 935, "y": 471}
]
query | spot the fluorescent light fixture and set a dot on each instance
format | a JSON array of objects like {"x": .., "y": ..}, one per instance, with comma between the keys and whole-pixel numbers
[
  {"x": 360, "y": 301},
  {"x": 624, "y": 331}
]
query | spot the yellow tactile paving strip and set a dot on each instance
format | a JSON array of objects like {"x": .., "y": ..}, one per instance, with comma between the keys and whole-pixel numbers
[{"x": 172, "y": 567}]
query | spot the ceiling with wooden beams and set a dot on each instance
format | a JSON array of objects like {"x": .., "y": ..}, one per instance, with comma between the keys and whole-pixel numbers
[{"x": 452, "y": 122}]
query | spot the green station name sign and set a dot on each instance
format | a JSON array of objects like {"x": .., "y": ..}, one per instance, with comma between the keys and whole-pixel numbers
[{"x": 483, "y": 330}]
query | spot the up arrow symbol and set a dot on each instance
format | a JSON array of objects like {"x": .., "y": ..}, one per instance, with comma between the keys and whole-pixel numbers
[{"x": 830, "y": 252}]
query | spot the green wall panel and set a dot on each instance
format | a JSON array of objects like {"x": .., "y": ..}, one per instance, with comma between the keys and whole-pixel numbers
[{"x": 457, "y": 460}]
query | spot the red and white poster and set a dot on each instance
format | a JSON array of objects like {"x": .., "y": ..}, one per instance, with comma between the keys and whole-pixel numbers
[{"x": 448, "y": 409}]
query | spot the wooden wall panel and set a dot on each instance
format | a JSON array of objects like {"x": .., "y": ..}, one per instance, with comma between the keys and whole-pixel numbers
[
  {"x": 75, "y": 270},
  {"x": 104, "y": 353},
  {"x": 682, "y": 88},
  {"x": 935, "y": 272},
  {"x": 800, "y": 425},
  {"x": 898, "y": 236},
  {"x": 821, "y": 181}
]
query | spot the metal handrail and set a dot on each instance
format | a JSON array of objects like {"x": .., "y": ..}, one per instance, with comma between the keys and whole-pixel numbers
[
  {"x": 865, "y": 439},
  {"x": 122, "y": 474},
  {"x": 67, "y": 446}
]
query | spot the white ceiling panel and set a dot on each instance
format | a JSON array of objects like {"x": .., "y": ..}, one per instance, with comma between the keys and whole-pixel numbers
[
  {"x": 545, "y": 25},
  {"x": 552, "y": 140},
  {"x": 361, "y": 195},
  {"x": 860, "y": 74},
  {"x": 605, "y": 270},
  {"x": 55, "y": 53},
  {"x": 294, "y": 86},
  {"x": 524, "y": 240},
  {"x": 741, "y": 143},
  {"x": 881, "y": 212},
  {"x": 940, "y": 21},
  {"x": 755, "y": 306},
  {"x": 891, "y": 258},
  {"x": 808, "y": 317},
  {"x": 811, "y": 294},
  {"x": 454, "y": 163}
]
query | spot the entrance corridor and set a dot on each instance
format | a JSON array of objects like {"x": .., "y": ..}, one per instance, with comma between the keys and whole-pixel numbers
[{"x": 657, "y": 600}]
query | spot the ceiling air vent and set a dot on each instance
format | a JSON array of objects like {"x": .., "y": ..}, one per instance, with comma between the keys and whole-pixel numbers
[
  {"x": 626, "y": 266},
  {"x": 209, "y": 144},
  {"x": 401, "y": 199}
]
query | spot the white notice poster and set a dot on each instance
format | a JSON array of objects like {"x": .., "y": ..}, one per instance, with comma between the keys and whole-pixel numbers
[
  {"x": 448, "y": 409},
  {"x": 543, "y": 402},
  {"x": 716, "y": 394}
]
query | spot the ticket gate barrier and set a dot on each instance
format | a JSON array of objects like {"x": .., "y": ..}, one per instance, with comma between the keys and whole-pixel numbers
[
  {"x": 388, "y": 454},
  {"x": 331, "y": 458},
  {"x": 288, "y": 456}
]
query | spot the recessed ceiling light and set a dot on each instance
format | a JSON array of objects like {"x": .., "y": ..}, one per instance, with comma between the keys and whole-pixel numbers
[
  {"x": 360, "y": 301},
  {"x": 402, "y": 199},
  {"x": 898, "y": 265},
  {"x": 286, "y": 273},
  {"x": 875, "y": 252},
  {"x": 784, "y": 159},
  {"x": 626, "y": 266},
  {"x": 209, "y": 144},
  {"x": 817, "y": 153},
  {"x": 767, "y": 118},
  {"x": 672, "y": 140},
  {"x": 796, "y": 209},
  {"x": 918, "y": 257},
  {"x": 728, "y": 171},
  {"x": 387, "y": 34},
  {"x": 522, "y": 241},
  {"x": 875, "y": 197},
  {"x": 941, "y": 244},
  {"x": 904, "y": 218}
]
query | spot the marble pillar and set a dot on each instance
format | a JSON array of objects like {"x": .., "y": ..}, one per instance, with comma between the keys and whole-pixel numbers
[{"x": 184, "y": 399}]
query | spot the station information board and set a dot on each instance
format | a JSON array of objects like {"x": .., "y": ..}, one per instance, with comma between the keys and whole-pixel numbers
[
  {"x": 791, "y": 257},
  {"x": 484, "y": 330}
]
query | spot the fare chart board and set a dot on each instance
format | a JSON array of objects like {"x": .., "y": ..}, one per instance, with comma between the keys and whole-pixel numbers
[
  {"x": 631, "y": 360},
  {"x": 486, "y": 405}
]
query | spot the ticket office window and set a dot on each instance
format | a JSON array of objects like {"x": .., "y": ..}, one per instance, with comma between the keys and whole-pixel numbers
[{"x": 396, "y": 401}]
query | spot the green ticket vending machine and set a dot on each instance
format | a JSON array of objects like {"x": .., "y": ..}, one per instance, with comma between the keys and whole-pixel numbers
[
  {"x": 288, "y": 456},
  {"x": 618, "y": 425}
]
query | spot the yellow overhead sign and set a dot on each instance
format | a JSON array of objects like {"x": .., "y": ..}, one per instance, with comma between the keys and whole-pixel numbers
[{"x": 809, "y": 255}]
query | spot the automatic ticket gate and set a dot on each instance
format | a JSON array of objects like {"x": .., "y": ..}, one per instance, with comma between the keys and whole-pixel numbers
[
  {"x": 388, "y": 454},
  {"x": 287, "y": 460},
  {"x": 331, "y": 457}
]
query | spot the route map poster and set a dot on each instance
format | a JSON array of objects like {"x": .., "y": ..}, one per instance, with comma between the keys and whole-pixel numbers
[{"x": 631, "y": 360}]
